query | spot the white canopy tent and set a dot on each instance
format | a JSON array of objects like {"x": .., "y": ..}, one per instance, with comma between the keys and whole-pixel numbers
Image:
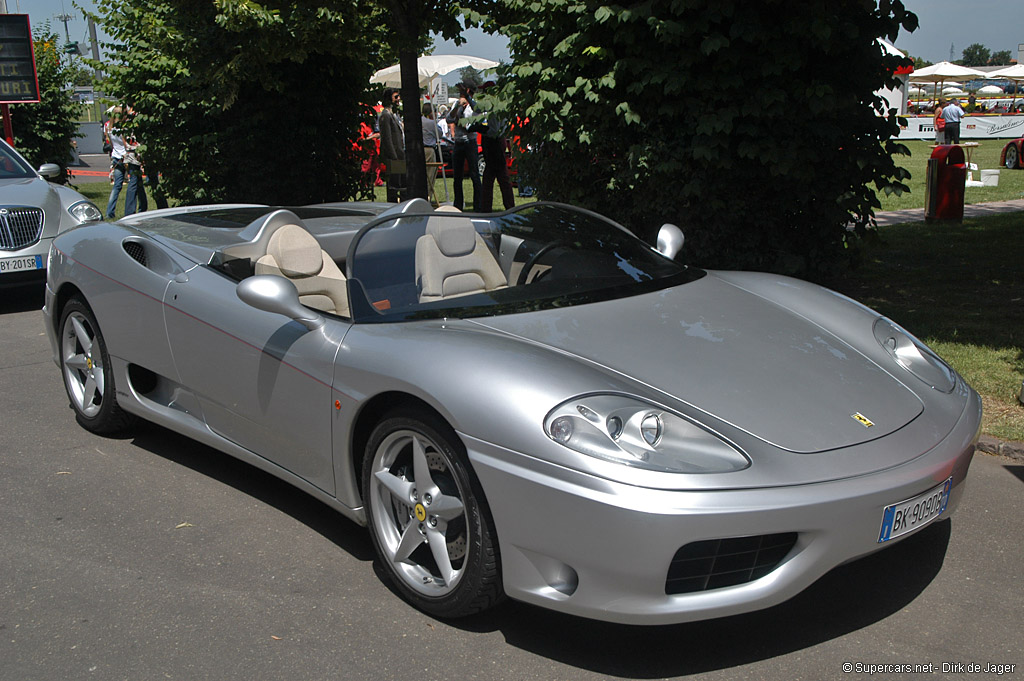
[
  {"x": 430, "y": 68},
  {"x": 944, "y": 71}
]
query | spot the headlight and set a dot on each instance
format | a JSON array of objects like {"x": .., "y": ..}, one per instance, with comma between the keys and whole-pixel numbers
[
  {"x": 85, "y": 211},
  {"x": 634, "y": 433},
  {"x": 914, "y": 356}
]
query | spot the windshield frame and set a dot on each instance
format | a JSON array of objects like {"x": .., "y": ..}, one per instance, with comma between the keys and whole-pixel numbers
[{"x": 504, "y": 301}]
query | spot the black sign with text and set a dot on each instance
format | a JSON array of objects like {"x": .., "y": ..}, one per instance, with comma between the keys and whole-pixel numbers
[{"x": 18, "y": 80}]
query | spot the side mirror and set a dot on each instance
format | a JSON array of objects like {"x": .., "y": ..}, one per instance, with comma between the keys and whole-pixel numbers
[
  {"x": 49, "y": 170},
  {"x": 670, "y": 240},
  {"x": 271, "y": 293}
]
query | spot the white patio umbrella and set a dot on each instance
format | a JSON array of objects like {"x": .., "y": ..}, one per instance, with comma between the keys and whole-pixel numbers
[
  {"x": 429, "y": 67},
  {"x": 944, "y": 71},
  {"x": 990, "y": 90},
  {"x": 1014, "y": 73}
]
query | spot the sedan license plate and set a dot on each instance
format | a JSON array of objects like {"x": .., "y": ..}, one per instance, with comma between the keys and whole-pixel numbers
[
  {"x": 911, "y": 514},
  {"x": 22, "y": 264}
]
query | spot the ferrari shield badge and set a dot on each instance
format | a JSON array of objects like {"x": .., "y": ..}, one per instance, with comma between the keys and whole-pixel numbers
[{"x": 862, "y": 420}]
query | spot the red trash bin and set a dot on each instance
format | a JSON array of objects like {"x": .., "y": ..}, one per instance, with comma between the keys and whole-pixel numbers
[{"x": 944, "y": 185}]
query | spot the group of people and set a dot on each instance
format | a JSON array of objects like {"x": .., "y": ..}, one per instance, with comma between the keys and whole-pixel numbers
[
  {"x": 125, "y": 164},
  {"x": 462, "y": 123},
  {"x": 947, "y": 117}
]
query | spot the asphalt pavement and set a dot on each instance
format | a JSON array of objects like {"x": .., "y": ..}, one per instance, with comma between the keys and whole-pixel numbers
[{"x": 149, "y": 556}]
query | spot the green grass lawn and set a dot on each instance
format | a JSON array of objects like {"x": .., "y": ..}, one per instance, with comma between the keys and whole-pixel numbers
[
  {"x": 960, "y": 288},
  {"x": 986, "y": 156},
  {"x": 467, "y": 191},
  {"x": 99, "y": 193}
]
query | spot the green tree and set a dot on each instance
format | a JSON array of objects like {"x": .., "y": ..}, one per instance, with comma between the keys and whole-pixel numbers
[
  {"x": 975, "y": 54},
  {"x": 470, "y": 76},
  {"x": 754, "y": 126},
  {"x": 239, "y": 100},
  {"x": 43, "y": 131},
  {"x": 1000, "y": 58}
]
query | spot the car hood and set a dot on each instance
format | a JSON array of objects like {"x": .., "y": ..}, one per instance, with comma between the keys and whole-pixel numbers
[
  {"x": 736, "y": 356},
  {"x": 29, "y": 192}
]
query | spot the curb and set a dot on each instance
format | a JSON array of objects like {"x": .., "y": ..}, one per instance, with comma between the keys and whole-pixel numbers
[{"x": 1011, "y": 450}]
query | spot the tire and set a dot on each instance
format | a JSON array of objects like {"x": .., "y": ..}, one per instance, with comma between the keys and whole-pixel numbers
[
  {"x": 1012, "y": 157},
  {"x": 436, "y": 542},
  {"x": 88, "y": 377}
]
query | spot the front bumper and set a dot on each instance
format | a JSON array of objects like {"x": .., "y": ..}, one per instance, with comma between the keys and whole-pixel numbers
[
  {"x": 35, "y": 254},
  {"x": 601, "y": 549}
]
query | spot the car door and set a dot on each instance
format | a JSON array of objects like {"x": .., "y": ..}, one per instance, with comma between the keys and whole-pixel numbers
[{"x": 263, "y": 381}]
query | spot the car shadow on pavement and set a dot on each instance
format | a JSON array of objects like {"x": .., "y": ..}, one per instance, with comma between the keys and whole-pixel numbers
[
  {"x": 22, "y": 298},
  {"x": 258, "y": 484},
  {"x": 846, "y": 599}
]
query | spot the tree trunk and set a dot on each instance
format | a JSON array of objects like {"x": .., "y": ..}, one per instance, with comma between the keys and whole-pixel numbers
[{"x": 415, "y": 161}]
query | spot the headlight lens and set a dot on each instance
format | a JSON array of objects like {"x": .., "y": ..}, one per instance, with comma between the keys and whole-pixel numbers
[
  {"x": 85, "y": 211},
  {"x": 914, "y": 356},
  {"x": 632, "y": 432}
]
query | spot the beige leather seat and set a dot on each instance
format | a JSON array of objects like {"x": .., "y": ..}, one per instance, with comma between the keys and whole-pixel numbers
[
  {"x": 453, "y": 260},
  {"x": 293, "y": 253}
]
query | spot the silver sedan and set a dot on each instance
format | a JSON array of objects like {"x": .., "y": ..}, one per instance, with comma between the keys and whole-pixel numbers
[
  {"x": 534, "y": 405},
  {"x": 32, "y": 212}
]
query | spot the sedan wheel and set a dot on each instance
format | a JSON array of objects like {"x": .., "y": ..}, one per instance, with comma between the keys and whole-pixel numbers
[
  {"x": 1012, "y": 157},
  {"x": 427, "y": 518},
  {"x": 85, "y": 366}
]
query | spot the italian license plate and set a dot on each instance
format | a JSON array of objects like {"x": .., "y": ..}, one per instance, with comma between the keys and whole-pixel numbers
[
  {"x": 22, "y": 264},
  {"x": 911, "y": 514}
]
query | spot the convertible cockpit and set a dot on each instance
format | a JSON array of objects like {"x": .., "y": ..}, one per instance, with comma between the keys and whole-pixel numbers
[{"x": 412, "y": 262}]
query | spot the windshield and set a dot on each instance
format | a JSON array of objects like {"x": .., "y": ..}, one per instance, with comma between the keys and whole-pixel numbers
[
  {"x": 535, "y": 257},
  {"x": 12, "y": 166}
]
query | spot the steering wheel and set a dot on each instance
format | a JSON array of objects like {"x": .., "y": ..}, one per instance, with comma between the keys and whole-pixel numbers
[{"x": 534, "y": 259}]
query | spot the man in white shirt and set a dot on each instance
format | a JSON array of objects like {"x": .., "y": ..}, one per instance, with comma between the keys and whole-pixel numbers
[{"x": 952, "y": 113}]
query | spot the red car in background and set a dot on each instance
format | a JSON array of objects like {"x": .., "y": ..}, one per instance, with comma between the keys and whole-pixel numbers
[{"x": 1013, "y": 153}]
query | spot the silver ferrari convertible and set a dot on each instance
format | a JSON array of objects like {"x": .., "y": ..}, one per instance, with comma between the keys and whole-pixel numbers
[
  {"x": 32, "y": 212},
  {"x": 533, "y": 404}
]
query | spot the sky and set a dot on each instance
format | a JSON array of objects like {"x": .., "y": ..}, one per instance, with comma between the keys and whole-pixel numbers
[{"x": 996, "y": 24}]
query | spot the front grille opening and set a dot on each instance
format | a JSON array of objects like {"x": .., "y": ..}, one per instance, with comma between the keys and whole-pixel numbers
[
  {"x": 137, "y": 251},
  {"x": 20, "y": 226},
  {"x": 718, "y": 563}
]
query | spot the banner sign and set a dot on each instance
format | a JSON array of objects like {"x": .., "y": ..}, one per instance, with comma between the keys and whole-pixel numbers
[
  {"x": 18, "y": 80},
  {"x": 971, "y": 127}
]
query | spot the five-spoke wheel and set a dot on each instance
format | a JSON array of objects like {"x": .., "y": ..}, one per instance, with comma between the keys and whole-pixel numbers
[
  {"x": 86, "y": 369},
  {"x": 427, "y": 518}
]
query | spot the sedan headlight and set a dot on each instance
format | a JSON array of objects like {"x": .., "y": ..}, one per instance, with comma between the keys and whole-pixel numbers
[
  {"x": 914, "y": 356},
  {"x": 85, "y": 211},
  {"x": 631, "y": 432}
]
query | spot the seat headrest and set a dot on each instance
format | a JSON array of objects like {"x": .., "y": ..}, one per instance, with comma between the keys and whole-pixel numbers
[
  {"x": 297, "y": 253},
  {"x": 454, "y": 236}
]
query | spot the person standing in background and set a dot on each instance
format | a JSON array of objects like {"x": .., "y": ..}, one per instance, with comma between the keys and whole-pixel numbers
[
  {"x": 392, "y": 145},
  {"x": 939, "y": 122},
  {"x": 113, "y": 132},
  {"x": 429, "y": 126},
  {"x": 465, "y": 147}
]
